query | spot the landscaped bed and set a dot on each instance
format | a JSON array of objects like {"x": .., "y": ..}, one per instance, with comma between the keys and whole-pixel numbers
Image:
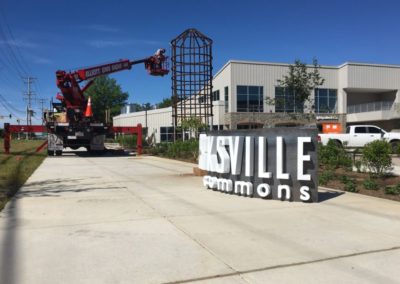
[
  {"x": 362, "y": 179},
  {"x": 372, "y": 177}
]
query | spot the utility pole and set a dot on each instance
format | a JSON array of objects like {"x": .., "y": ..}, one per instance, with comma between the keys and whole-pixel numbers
[
  {"x": 19, "y": 133},
  {"x": 28, "y": 97},
  {"x": 42, "y": 101}
]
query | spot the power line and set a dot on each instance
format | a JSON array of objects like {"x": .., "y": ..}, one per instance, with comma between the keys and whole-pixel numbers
[
  {"x": 10, "y": 105},
  {"x": 10, "y": 50},
  {"x": 13, "y": 59},
  {"x": 8, "y": 110},
  {"x": 25, "y": 66},
  {"x": 8, "y": 77}
]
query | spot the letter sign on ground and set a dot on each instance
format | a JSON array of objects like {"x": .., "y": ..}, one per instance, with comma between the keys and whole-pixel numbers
[{"x": 270, "y": 163}]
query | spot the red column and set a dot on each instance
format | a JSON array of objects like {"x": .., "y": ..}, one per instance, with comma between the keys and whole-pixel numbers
[
  {"x": 7, "y": 138},
  {"x": 139, "y": 139}
]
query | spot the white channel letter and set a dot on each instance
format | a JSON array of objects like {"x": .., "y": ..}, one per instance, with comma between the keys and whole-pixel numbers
[
  {"x": 244, "y": 187},
  {"x": 213, "y": 183},
  {"x": 304, "y": 193},
  {"x": 301, "y": 158},
  {"x": 206, "y": 181},
  {"x": 224, "y": 165},
  {"x": 224, "y": 185},
  {"x": 279, "y": 159},
  {"x": 262, "y": 159},
  {"x": 203, "y": 151},
  {"x": 236, "y": 153},
  {"x": 263, "y": 190},
  {"x": 249, "y": 163},
  {"x": 212, "y": 160},
  {"x": 285, "y": 187}
]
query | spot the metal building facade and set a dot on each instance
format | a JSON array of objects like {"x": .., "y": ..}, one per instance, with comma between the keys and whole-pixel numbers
[{"x": 366, "y": 93}]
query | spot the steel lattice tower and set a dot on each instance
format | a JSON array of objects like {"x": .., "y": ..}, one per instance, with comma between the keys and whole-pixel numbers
[{"x": 191, "y": 58}]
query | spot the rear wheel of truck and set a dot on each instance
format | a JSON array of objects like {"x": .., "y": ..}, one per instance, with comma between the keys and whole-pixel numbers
[
  {"x": 50, "y": 153},
  {"x": 338, "y": 143},
  {"x": 58, "y": 153},
  {"x": 395, "y": 146}
]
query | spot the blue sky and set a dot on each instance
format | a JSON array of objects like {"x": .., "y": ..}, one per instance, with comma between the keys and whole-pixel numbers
[{"x": 49, "y": 35}]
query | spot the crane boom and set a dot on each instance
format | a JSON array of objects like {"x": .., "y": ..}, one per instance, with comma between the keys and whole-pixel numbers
[
  {"x": 72, "y": 124},
  {"x": 105, "y": 69},
  {"x": 72, "y": 95}
]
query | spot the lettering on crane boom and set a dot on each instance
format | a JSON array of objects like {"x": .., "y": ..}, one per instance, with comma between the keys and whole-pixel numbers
[
  {"x": 106, "y": 69},
  {"x": 269, "y": 163}
]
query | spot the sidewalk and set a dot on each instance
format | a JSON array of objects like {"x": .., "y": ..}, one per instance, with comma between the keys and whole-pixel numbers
[{"x": 149, "y": 220}]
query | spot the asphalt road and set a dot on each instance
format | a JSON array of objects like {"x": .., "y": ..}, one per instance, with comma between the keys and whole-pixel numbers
[{"x": 85, "y": 219}]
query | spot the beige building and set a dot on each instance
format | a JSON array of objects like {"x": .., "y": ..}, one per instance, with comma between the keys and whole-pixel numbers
[{"x": 352, "y": 93}]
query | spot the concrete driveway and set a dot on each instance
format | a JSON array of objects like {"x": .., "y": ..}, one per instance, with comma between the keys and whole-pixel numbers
[{"x": 148, "y": 220}]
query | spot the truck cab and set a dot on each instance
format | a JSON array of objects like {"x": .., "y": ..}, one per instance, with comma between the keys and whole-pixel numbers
[{"x": 359, "y": 135}]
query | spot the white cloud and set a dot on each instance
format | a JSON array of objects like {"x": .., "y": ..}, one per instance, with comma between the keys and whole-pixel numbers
[
  {"x": 100, "y": 43},
  {"x": 102, "y": 28},
  {"x": 19, "y": 43},
  {"x": 42, "y": 60},
  {"x": 38, "y": 59}
]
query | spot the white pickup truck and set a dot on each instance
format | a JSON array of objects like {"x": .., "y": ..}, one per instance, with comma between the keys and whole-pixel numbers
[{"x": 360, "y": 135}]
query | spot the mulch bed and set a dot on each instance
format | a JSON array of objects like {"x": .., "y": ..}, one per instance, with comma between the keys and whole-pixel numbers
[{"x": 359, "y": 178}]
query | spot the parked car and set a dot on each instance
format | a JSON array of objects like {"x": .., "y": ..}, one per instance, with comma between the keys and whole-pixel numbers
[{"x": 360, "y": 135}]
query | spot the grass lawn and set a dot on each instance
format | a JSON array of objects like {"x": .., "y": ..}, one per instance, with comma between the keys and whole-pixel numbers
[{"x": 16, "y": 167}]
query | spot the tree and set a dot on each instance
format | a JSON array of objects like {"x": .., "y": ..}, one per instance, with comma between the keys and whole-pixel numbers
[
  {"x": 147, "y": 106},
  {"x": 136, "y": 107},
  {"x": 193, "y": 125},
  {"x": 376, "y": 157},
  {"x": 166, "y": 102},
  {"x": 106, "y": 95},
  {"x": 301, "y": 82}
]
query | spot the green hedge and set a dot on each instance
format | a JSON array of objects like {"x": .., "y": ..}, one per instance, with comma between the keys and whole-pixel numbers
[{"x": 183, "y": 150}]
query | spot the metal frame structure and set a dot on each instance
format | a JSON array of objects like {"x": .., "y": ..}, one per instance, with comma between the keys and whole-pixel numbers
[{"x": 191, "y": 56}]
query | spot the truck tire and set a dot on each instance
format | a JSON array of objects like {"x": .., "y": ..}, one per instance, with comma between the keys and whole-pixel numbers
[
  {"x": 338, "y": 143},
  {"x": 395, "y": 146},
  {"x": 50, "y": 153},
  {"x": 58, "y": 153}
]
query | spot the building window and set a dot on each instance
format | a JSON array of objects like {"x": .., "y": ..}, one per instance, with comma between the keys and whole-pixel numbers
[
  {"x": 226, "y": 97},
  {"x": 216, "y": 95},
  {"x": 325, "y": 100},
  {"x": 217, "y": 127},
  {"x": 167, "y": 134},
  {"x": 285, "y": 101},
  {"x": 250, "y": 99}
]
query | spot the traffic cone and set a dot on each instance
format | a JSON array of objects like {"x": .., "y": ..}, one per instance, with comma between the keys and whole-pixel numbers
[{"x": 88, "y": 112}]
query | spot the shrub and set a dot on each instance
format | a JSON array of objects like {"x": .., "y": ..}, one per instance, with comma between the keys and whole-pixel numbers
[
  {"x": 370, "y": 184},
  {"x": 159, "y": 149},
  {"x": 333, "y": 156},
  {"x": 325, "y": 177},
  {"x": 187, "y": 150},
  {"x": 344, "y": 179},
  {"x": 393, "y": 190},
  {"x": 350, "y": 186},
  {"x": 376, "y": 157}
]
